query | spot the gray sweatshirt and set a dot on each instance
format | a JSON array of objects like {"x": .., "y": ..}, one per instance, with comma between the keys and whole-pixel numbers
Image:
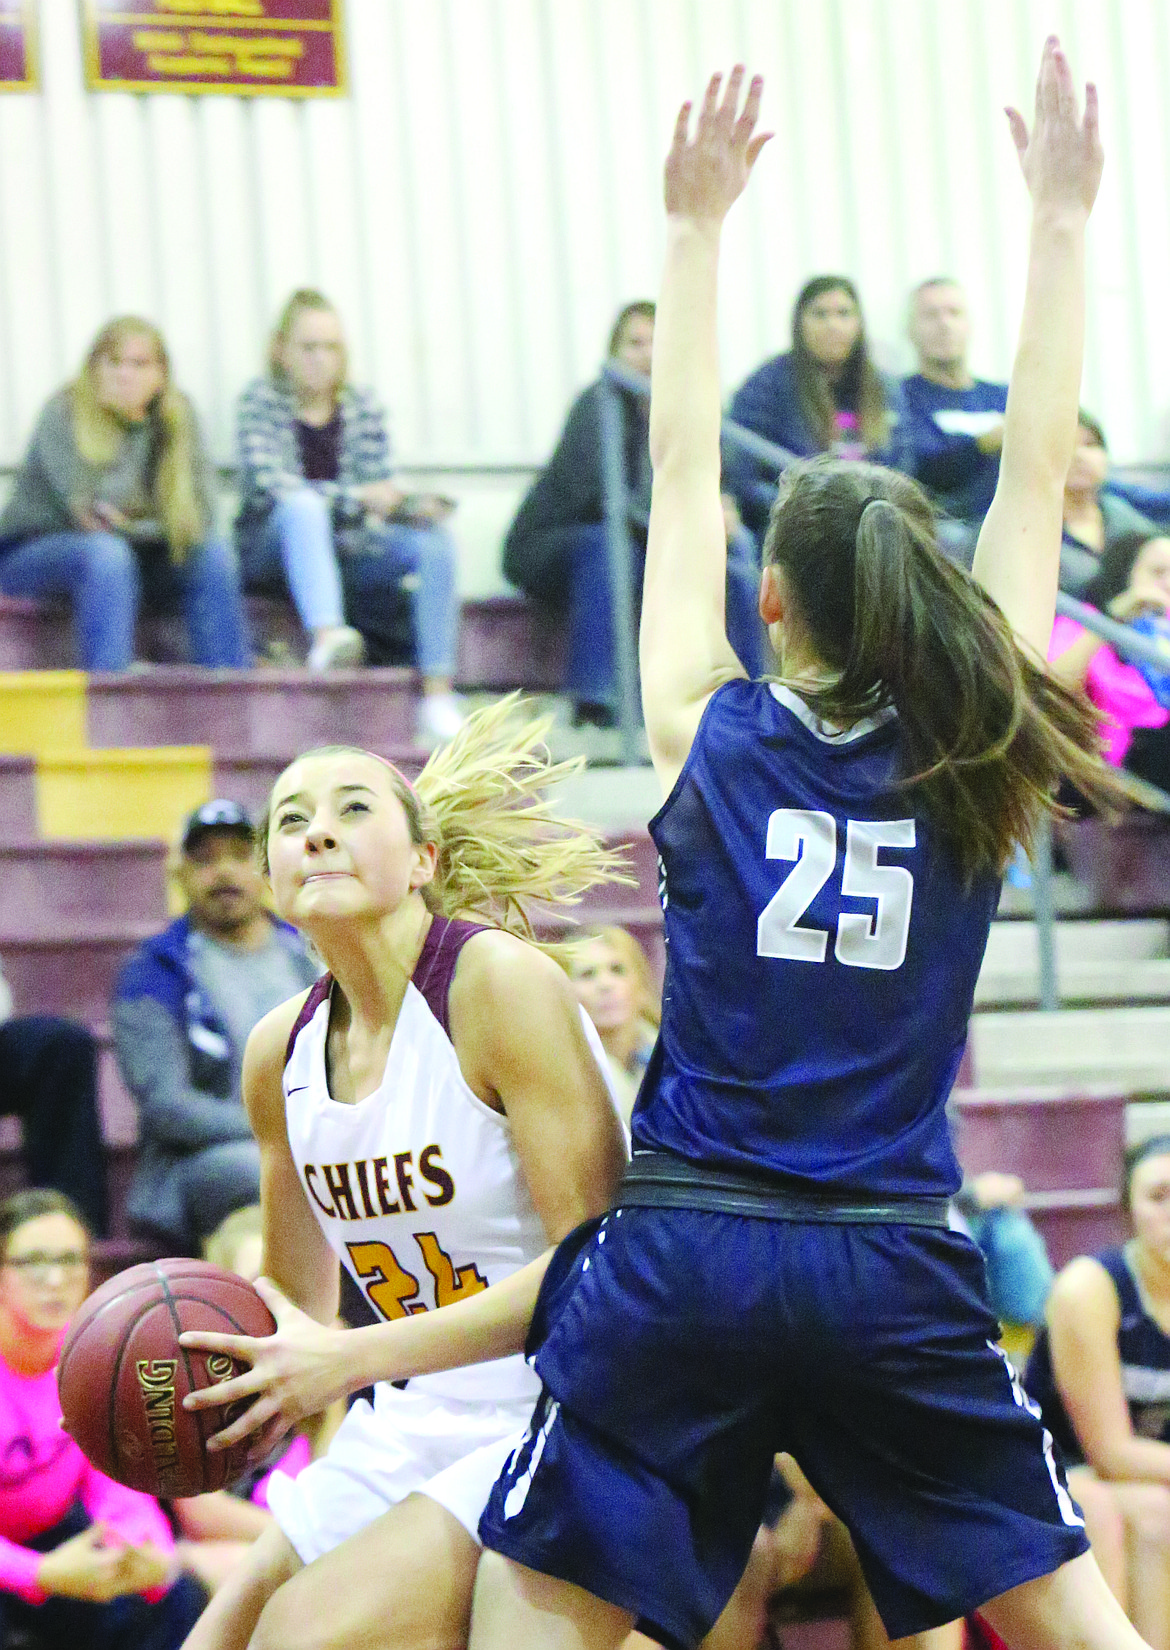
[{"x": 54, "y": 478}]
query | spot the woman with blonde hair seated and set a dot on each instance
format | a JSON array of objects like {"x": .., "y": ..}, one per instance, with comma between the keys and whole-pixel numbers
[
  {"x": 615, "y": 986},
  {"x": 321, "y": 512},
  {"x": 114, "y": 500}
]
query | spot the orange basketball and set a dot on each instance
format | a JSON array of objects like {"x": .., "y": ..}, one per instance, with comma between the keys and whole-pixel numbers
[{"x": 122, "y": 1375}]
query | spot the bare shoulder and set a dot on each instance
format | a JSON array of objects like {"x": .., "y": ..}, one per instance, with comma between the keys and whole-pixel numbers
[
  {"x": 264, "y": 1061},
  {"x": 512, "y": 1012},
  {"x": 499, "y": 969},
  {"x": 1083, "y": 1289}
]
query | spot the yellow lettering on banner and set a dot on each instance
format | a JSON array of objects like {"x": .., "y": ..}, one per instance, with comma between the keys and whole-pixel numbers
[
  {"x": 149, "y": 40},
  {"x": 189, "y": 65},
  {"x": 264, "y": 68},
  {"x": 216, "y": 8},
  {"x": 267, "y": 45}
]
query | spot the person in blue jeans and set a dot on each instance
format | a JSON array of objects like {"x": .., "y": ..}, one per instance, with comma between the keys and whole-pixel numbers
[
  {"x": 320, "y": 513},
  {"x": 114, "y": 501},
  {"x": 556, "y": 549}
]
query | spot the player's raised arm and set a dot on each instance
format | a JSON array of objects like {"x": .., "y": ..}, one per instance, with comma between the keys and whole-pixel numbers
[
  {"x": 1018, "y": 556},
  {"x": 684, "y": 651}
]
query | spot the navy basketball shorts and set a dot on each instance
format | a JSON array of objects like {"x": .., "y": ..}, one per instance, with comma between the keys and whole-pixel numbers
[{"x": 680, "y": 1350}]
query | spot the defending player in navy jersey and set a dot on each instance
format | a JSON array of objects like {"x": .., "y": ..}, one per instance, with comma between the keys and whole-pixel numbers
[{"x": 777, "y": 1271}]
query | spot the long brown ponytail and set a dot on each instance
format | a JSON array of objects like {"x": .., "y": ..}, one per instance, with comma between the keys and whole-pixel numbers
[{"x": 988, "y": 734}]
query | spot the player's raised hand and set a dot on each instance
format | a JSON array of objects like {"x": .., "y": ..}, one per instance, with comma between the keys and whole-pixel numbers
[
  {"x": 707, "y": 173},
  {"x": 1061, "y": 158}
]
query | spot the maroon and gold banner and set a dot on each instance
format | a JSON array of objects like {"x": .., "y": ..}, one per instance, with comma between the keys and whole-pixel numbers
[
  {"x": 18, "y": 46},
  {"x": 282, "y": 48}
]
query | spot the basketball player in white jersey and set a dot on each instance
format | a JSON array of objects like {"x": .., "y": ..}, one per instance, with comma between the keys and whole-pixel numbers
[{"x": 432, "y": 1115}]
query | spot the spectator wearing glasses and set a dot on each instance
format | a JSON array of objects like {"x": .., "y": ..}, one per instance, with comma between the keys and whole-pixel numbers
[
  {"x": 183, "y": 1008},
  {"x": 83, "y": 1561}
]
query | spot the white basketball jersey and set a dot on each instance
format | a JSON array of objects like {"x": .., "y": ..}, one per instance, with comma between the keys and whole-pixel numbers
[{"x": 418, "y": 1187}]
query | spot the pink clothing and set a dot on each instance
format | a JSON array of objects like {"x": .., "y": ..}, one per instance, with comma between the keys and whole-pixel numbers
[
  {"x": 1117, "y": 688},
  {"x": 43, "y": 1472},
  {"x": 294, "y": 1460}
]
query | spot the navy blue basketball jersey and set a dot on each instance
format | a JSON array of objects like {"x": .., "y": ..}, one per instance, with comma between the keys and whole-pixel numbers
[
  {"x": 822, "y": 950},
  {"x": 1144, "y": 1351}
]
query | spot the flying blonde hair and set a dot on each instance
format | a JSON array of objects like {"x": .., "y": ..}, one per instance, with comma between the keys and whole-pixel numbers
[
  {"x": 501, "y": 849},
  {"x": 99, "y": 433}
]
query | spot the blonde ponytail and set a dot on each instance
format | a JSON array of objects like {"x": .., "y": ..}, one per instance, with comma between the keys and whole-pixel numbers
[{"x": 482, "y": 800}]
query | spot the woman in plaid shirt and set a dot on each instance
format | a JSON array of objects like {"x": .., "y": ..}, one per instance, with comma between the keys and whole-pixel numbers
[{"x": 319, "y": 509}]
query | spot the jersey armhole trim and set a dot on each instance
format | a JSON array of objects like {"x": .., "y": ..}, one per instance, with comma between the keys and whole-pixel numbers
[{"x": 684, "y": 771}]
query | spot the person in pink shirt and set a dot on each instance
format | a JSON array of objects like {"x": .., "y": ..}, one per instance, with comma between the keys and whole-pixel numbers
[
  {"x": 85, "y": 1564},
  {"x": 1135, "y": 730}
]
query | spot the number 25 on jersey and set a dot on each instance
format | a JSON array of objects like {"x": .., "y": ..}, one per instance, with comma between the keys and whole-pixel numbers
[{"x": 864, "y": 940}]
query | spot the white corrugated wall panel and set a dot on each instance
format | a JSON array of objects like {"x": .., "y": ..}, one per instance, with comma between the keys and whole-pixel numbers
[{"x": 489, "y": 194}]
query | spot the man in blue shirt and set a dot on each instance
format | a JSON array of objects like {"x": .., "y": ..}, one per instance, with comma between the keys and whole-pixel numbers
[{"x": 952, "y": 426}]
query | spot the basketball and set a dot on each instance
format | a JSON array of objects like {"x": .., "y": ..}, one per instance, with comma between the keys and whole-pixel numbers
[{"x": 122, "y": 1375}]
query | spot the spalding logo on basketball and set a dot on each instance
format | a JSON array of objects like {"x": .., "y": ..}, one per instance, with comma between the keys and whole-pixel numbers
[{"x": 122, "y": 1375}]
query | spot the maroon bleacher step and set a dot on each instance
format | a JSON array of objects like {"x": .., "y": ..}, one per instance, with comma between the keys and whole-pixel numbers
[
  {"x": 47, "y": 886},
  {"x": 18, "y": 798},
  {"x": 1077, "y": 1223},
  {"x": 507, "y": 642},
  {"x": 34, "y": 637},
  {"x": 71, "y": 972},
  {"x": 1055, "y": 1140},
  {"x": 277, "y": 713}
]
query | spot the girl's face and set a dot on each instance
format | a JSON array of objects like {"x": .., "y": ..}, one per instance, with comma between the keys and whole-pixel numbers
[
  {"x": 1149, "y": 1204},
  {"x": 1090, "y": 463},
  {"x": 339, "y": 844},
  {"x": 636, "y": 344},
  {"x": 129, "y": 376},
  {"x": 313, "y": 354},
  {"x": 44, "y": 1275},
  {"x": 830, "y": 326},
  {"x": 605, "y": 986},
  {"x": 1152, "y": 566}
]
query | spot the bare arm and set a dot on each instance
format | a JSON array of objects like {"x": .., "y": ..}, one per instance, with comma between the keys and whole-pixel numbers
[
  {"x": 517, "y": 1029},
  {"x": 541, "y": 1071},
  {"x": 1083, "y": 1320},
  {"x": 297, "y": 1257},
  {"x": 684, "y": 651},
  {"x": 1018, "y": 555}
]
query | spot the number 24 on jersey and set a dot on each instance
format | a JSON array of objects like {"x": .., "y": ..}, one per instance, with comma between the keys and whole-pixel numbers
[{"x": 864, "y": 940}]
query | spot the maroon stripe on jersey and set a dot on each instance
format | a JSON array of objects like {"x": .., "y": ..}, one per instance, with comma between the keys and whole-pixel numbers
[
  {"x": 318, "y": 992},
  {"x": 435, "y": 967}
]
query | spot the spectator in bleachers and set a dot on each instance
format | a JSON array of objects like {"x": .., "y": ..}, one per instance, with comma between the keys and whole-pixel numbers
[
  {"x": 321, "y": 513},
  {"x": 556, "y": 549},
  {"x": 952, "y": 428},
  {"x": 1132, "y": 585},
  {"x": 114, "y": 503},
  {"x": 48, "y": 1078},
  {"x": 1095, "y": 515},
  {"x": 1101, "y": 1374},
  {"x": 824, "y": 395},
  {"x": 83, "y": 1561},
  {"x": 990, "y": 1207},
  {"x": 614, "y": 985},
  {"x": 184, "y": 1006}
]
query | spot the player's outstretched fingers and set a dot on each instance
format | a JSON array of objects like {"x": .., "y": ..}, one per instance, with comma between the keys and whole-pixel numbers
[{"x": 242, "y": 1349}]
